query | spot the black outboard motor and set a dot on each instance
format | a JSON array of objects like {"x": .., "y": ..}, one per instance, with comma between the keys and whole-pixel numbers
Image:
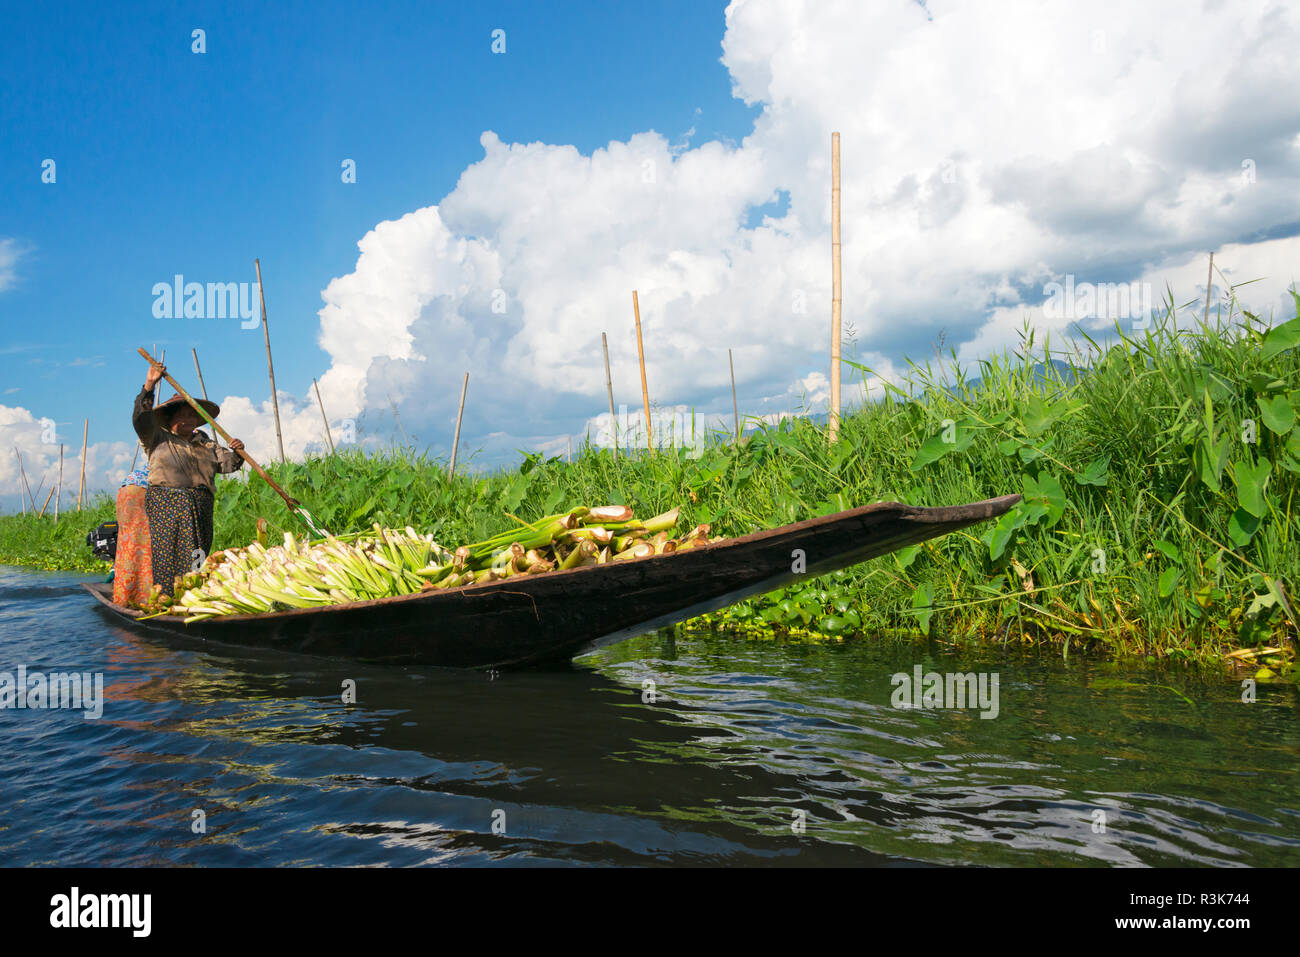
[{"x": 103, "y": 541}]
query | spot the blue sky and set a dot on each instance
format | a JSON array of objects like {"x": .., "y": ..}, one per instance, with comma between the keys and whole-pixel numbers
[
  {"x": 506, "y": 204},
  {"x": 172, "y": 162}
]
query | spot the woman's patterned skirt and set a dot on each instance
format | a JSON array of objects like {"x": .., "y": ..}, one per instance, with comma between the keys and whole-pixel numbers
[
  {"x": 180, "y": 531},
  {"x": 133, "y": 565}
]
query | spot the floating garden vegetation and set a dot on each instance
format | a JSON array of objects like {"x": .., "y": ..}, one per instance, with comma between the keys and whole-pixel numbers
[{"x": 1159, "y": 477}]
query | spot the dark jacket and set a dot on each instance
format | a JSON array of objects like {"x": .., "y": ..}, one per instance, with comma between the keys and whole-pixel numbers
[{"x": 177, "y": 462}]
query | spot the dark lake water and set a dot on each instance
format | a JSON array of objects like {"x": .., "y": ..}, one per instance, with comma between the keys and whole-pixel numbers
[{"x": 752, "y": 752}]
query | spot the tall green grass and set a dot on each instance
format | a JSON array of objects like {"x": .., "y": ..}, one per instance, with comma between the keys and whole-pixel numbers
[{"x": 1159, "y": 476}]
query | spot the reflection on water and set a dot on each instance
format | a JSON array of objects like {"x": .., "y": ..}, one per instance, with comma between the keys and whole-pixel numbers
[{"x": 674, "y": 749}]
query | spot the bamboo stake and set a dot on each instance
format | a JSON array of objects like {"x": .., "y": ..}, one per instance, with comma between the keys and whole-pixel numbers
[
  {"x": 81, "y": 485},
  {"x": 270, "y": 368},
  {"x": 199, "y": 372},
  {"x": 640, "y": 351},
  {"x": 455, "y": 442},
  {"x": 734, "y": 407},
  {"x": 399, "y": 422},
  {"x": 329, "y": 438},
  {"x": 569, "y": 440},
  {"x": 48, "y": 496},
  {"x": 23, "y": 472},
  {"x": 1209, "y": 278},
  {"x": 836, "y": 303},
  {"x": 59, "y": 497},
  {"x": 609, "y": 386}
]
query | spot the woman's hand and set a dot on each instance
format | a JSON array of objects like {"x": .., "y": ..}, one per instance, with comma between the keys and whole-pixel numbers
[
  {"x": 236, "y": 444},
  {"x": 155, "y": 373}
]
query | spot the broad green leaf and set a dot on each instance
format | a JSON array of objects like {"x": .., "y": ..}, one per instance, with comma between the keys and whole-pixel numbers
[
  {"x": 1260, "y": 603},
  {"x": 1168, "y": 550},
  {"x": 1097, "y": 472},
  {"x": 1251, "y": 480},
  {"x": 931, "y": 450},
  {"x": 1037, "y": 415},
  {"x": 905, "y": 556},
  {"x": 1009, "y": 446},
  {"x": 1277, "y": 413},
  {"x": 922, "y": 602},
  {"x": 1280, "y": 338},
  {"x": 1169, "y": 581},
  {"x": 1047, "y": 493},
  {"x": 937, "y": 446},
  {"x": 1001, "y": 533},
  {"x": 1210, "y": 459},
  {"x": 1242, "y": 527},
  {"x": 1265, "y": 384}
]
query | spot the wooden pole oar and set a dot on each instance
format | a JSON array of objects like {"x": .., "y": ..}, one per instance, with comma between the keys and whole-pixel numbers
[{"x": 293, "y": 503}]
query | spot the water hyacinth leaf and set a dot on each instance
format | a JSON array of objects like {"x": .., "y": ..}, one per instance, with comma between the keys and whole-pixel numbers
[
  {"x": 1251, "y": 480},
  {"x": 1280, "y": 338},
  {"x": 830, "y": 624},
  {"x": 1169, "y": 581},
  {"x": 1242, "y": 527},
  {"x": 1277, "y": 414}
]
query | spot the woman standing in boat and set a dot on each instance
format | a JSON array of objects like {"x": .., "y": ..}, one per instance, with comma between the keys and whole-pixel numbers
[{"x": 183, "y": 463}]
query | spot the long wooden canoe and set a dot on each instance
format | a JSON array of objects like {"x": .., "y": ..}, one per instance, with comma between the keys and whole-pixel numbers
[{"x": 530, "y": 619}]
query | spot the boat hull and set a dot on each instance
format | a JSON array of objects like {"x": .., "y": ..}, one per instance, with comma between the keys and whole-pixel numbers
[{"x": 532, "y": 619}]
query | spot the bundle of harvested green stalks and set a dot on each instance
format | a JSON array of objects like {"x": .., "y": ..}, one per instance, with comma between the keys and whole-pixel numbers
[{"x": 387, "y": 562}]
